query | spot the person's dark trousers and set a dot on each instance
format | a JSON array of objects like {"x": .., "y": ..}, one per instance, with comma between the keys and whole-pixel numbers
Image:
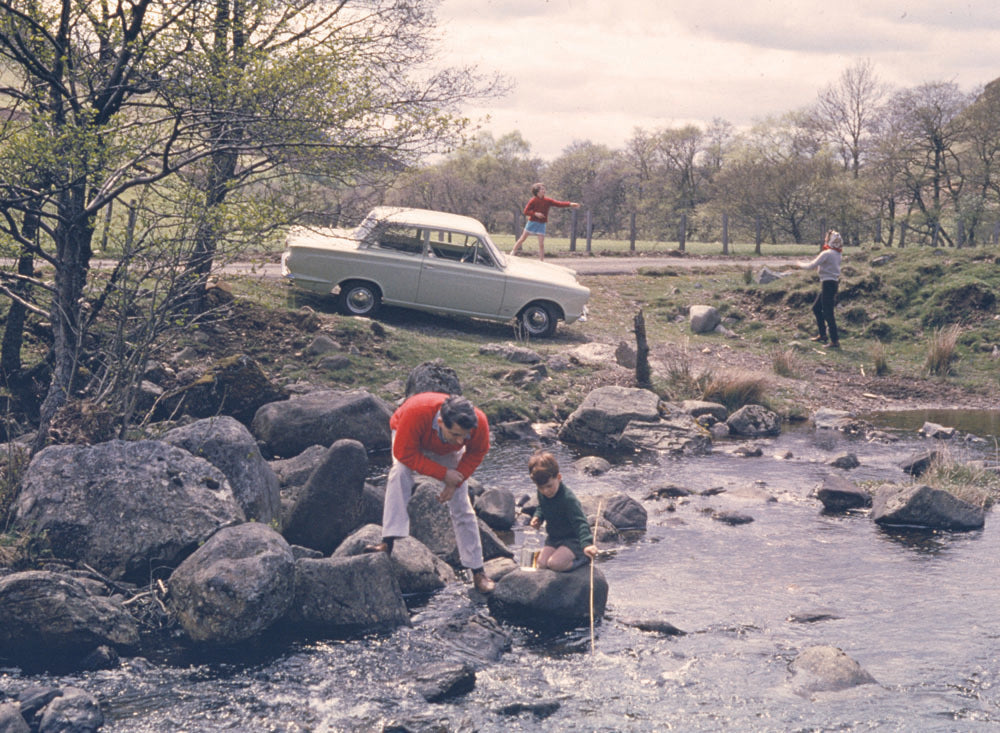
[{"x": 823, "y": 310}]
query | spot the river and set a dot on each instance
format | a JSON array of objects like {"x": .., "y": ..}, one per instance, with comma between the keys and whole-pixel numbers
[{"x": 917, "y": 610}]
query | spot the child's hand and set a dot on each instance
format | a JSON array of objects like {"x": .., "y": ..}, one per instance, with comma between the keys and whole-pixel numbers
[
  {"x": 535, "y": 522},
  {"x": 590, "y": 551}
]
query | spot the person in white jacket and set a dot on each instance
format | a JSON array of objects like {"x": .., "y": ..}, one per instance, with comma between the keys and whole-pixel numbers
[{"x": 828, "y": 264}]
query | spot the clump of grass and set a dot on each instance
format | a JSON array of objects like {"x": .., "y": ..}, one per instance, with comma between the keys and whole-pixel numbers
[
  {"x": 785, "y": 362},
  {"x": 881, "y": 358},
  {"x": 734, "y": 389},
  {"x": 973, "y": 483},
  {"x": 941, "y": 352}
]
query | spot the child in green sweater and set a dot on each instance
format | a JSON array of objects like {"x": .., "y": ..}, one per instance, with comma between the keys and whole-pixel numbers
[{"x": 568, "y": 540}]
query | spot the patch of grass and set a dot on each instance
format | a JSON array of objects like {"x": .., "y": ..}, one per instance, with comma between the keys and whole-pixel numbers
[
  {"x": 973, "y": 483},
  {"x": 941, "y": 351},
  {"x": 880, "y": 357},
  {"x": 785, "y": 362},
  {"x": 734, "y": 389}
]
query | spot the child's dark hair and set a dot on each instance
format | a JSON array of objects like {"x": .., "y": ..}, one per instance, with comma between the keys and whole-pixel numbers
[
  {"x": 535, "y": 189},
  {"x": 543, "y": 467}
]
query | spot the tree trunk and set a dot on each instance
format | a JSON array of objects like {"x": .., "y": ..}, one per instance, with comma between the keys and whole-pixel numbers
[{"x": 73, "y": 247}]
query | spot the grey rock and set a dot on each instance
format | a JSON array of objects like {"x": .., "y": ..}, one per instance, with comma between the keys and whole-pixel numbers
[
  {"x": 754, "y": 421},
  {"x": 227, "y": 444},
  {"x": 236, "y": 585},
  {"x": 415, "y": 567},
  {"x": 703, "y": 318},
  {"x": 827, "y": 668},
  {"x": 289, "y": 427},
  {"x": 543, "y": 599},
  {"x": 74, "y": 711},
  {"x": 346, "y": 595},
  {"x": 839, "y": 495},
  {"x": 128, "y": 509},
  {"x": 433, "y": 376},
  {"x": 496, "y": 508},
  {"x": 923, "y": 506},
  {"x": 329, "y": 506},
  {"x": 44, "y": 614}
]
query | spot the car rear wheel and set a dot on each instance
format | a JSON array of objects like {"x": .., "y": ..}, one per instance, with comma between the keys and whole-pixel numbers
[
  {"x": 360, "y": 299},
  {"x": 538, "y": 320}
]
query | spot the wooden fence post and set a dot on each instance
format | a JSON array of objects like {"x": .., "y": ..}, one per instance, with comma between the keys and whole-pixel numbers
[
  {"x": 572, "y": 229},
  {"x": 631, "y": 232},
  {"x": 757, "y": 238},
  {"x": 590, "y": 229},
  {"x": 682, "y": 233},
  {"x": 725, "y": 233}
]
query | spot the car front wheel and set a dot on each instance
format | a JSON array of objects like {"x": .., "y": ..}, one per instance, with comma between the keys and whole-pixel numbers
[
  {"x": 359, "y": 299},
  {"x": 538, "y": 320}
]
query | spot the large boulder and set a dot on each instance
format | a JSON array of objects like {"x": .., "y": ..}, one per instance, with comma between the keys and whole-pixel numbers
[
  {"x": 329, "y": 506},
  {"x": 344, "y": 595},
  {"x": 606, "y": 412},
  {"x": 620, "y": 510},
  {"x": 416, "y": 568},
  {"x": 48, "y": 617},
  {"x": 703, "y": 318},
  {"x": 236, "y": 585},
  {"x": 547, "y": 600},
  {"x": 496, "y": 508},
  {"x": 753, "y": 421},
  {"x": 923, "y": 506},
  {"x": 128, "y": 509},
  {"x": 433, "y": 376},
  {"x": 226, "y": 443},
  {"x": 430, "y": 522},
  {"x": 675, "y": 434},
  {"x": 287, "y": 428},
  {"x": 236, "y": 386}
]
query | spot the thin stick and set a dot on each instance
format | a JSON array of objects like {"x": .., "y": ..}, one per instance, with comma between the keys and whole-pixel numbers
[{"x": 597, "y": 520}]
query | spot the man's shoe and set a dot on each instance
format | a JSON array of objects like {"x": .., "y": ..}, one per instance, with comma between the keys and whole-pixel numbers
[
  {"x": 382, "y": 546},
  {"x": 483, "y": 583},
  {"x": 833, "y": 345},
  {"x": 819, "y": 339}
]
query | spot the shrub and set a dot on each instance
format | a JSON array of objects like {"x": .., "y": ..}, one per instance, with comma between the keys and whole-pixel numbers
[
  {"x": 734, "y": 389},
  {"x": 941, "y": 352},
  {"x": 784, "y": 362},
  {"x": 880, "y": 358}
]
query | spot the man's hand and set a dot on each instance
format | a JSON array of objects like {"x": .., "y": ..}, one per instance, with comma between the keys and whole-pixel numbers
[
  {"x": 452, "y": 480},
  {"x": 536, "y": 522}
]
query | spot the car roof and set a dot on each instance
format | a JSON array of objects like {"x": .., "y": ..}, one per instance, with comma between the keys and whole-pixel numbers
[{"x": 427, "y": 218}]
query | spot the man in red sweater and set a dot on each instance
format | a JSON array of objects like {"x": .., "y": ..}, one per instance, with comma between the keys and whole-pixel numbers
[
  {"x": 444, "y": 437},
  {"x": 537, "y": 213}
]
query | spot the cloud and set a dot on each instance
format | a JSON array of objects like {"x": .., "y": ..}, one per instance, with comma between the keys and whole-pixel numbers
[{"x": 590, "y": 69}]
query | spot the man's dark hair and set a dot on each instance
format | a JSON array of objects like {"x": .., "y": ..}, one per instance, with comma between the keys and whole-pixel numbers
[{"x": 459, "y": 411}]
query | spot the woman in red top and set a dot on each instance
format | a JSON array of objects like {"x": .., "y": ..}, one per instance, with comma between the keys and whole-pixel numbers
[{"x": 537, "y": 213}]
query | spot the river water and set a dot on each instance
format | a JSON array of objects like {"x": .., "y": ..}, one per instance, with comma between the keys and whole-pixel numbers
[{"x": 917, "y": 610}]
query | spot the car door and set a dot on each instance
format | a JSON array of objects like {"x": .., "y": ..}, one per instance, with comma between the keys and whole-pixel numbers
[
  {"x": 394, "y": 259},
  {"x": 459, "y": 275}
]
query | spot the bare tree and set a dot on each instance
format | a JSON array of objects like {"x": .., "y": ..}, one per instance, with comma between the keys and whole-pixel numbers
[{"x": 848, "y": 111}]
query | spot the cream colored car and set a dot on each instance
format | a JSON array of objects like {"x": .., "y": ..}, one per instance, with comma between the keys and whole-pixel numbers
[{"x": 431, "y": 261}]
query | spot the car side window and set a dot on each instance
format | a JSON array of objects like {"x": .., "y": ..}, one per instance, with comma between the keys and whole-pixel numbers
[
  {"x": 459, "y": 247},
  {"x": 405, "y": 239}
]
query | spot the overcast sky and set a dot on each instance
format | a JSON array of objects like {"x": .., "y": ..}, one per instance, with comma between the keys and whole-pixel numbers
[{"x": 597, "y": 69}]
